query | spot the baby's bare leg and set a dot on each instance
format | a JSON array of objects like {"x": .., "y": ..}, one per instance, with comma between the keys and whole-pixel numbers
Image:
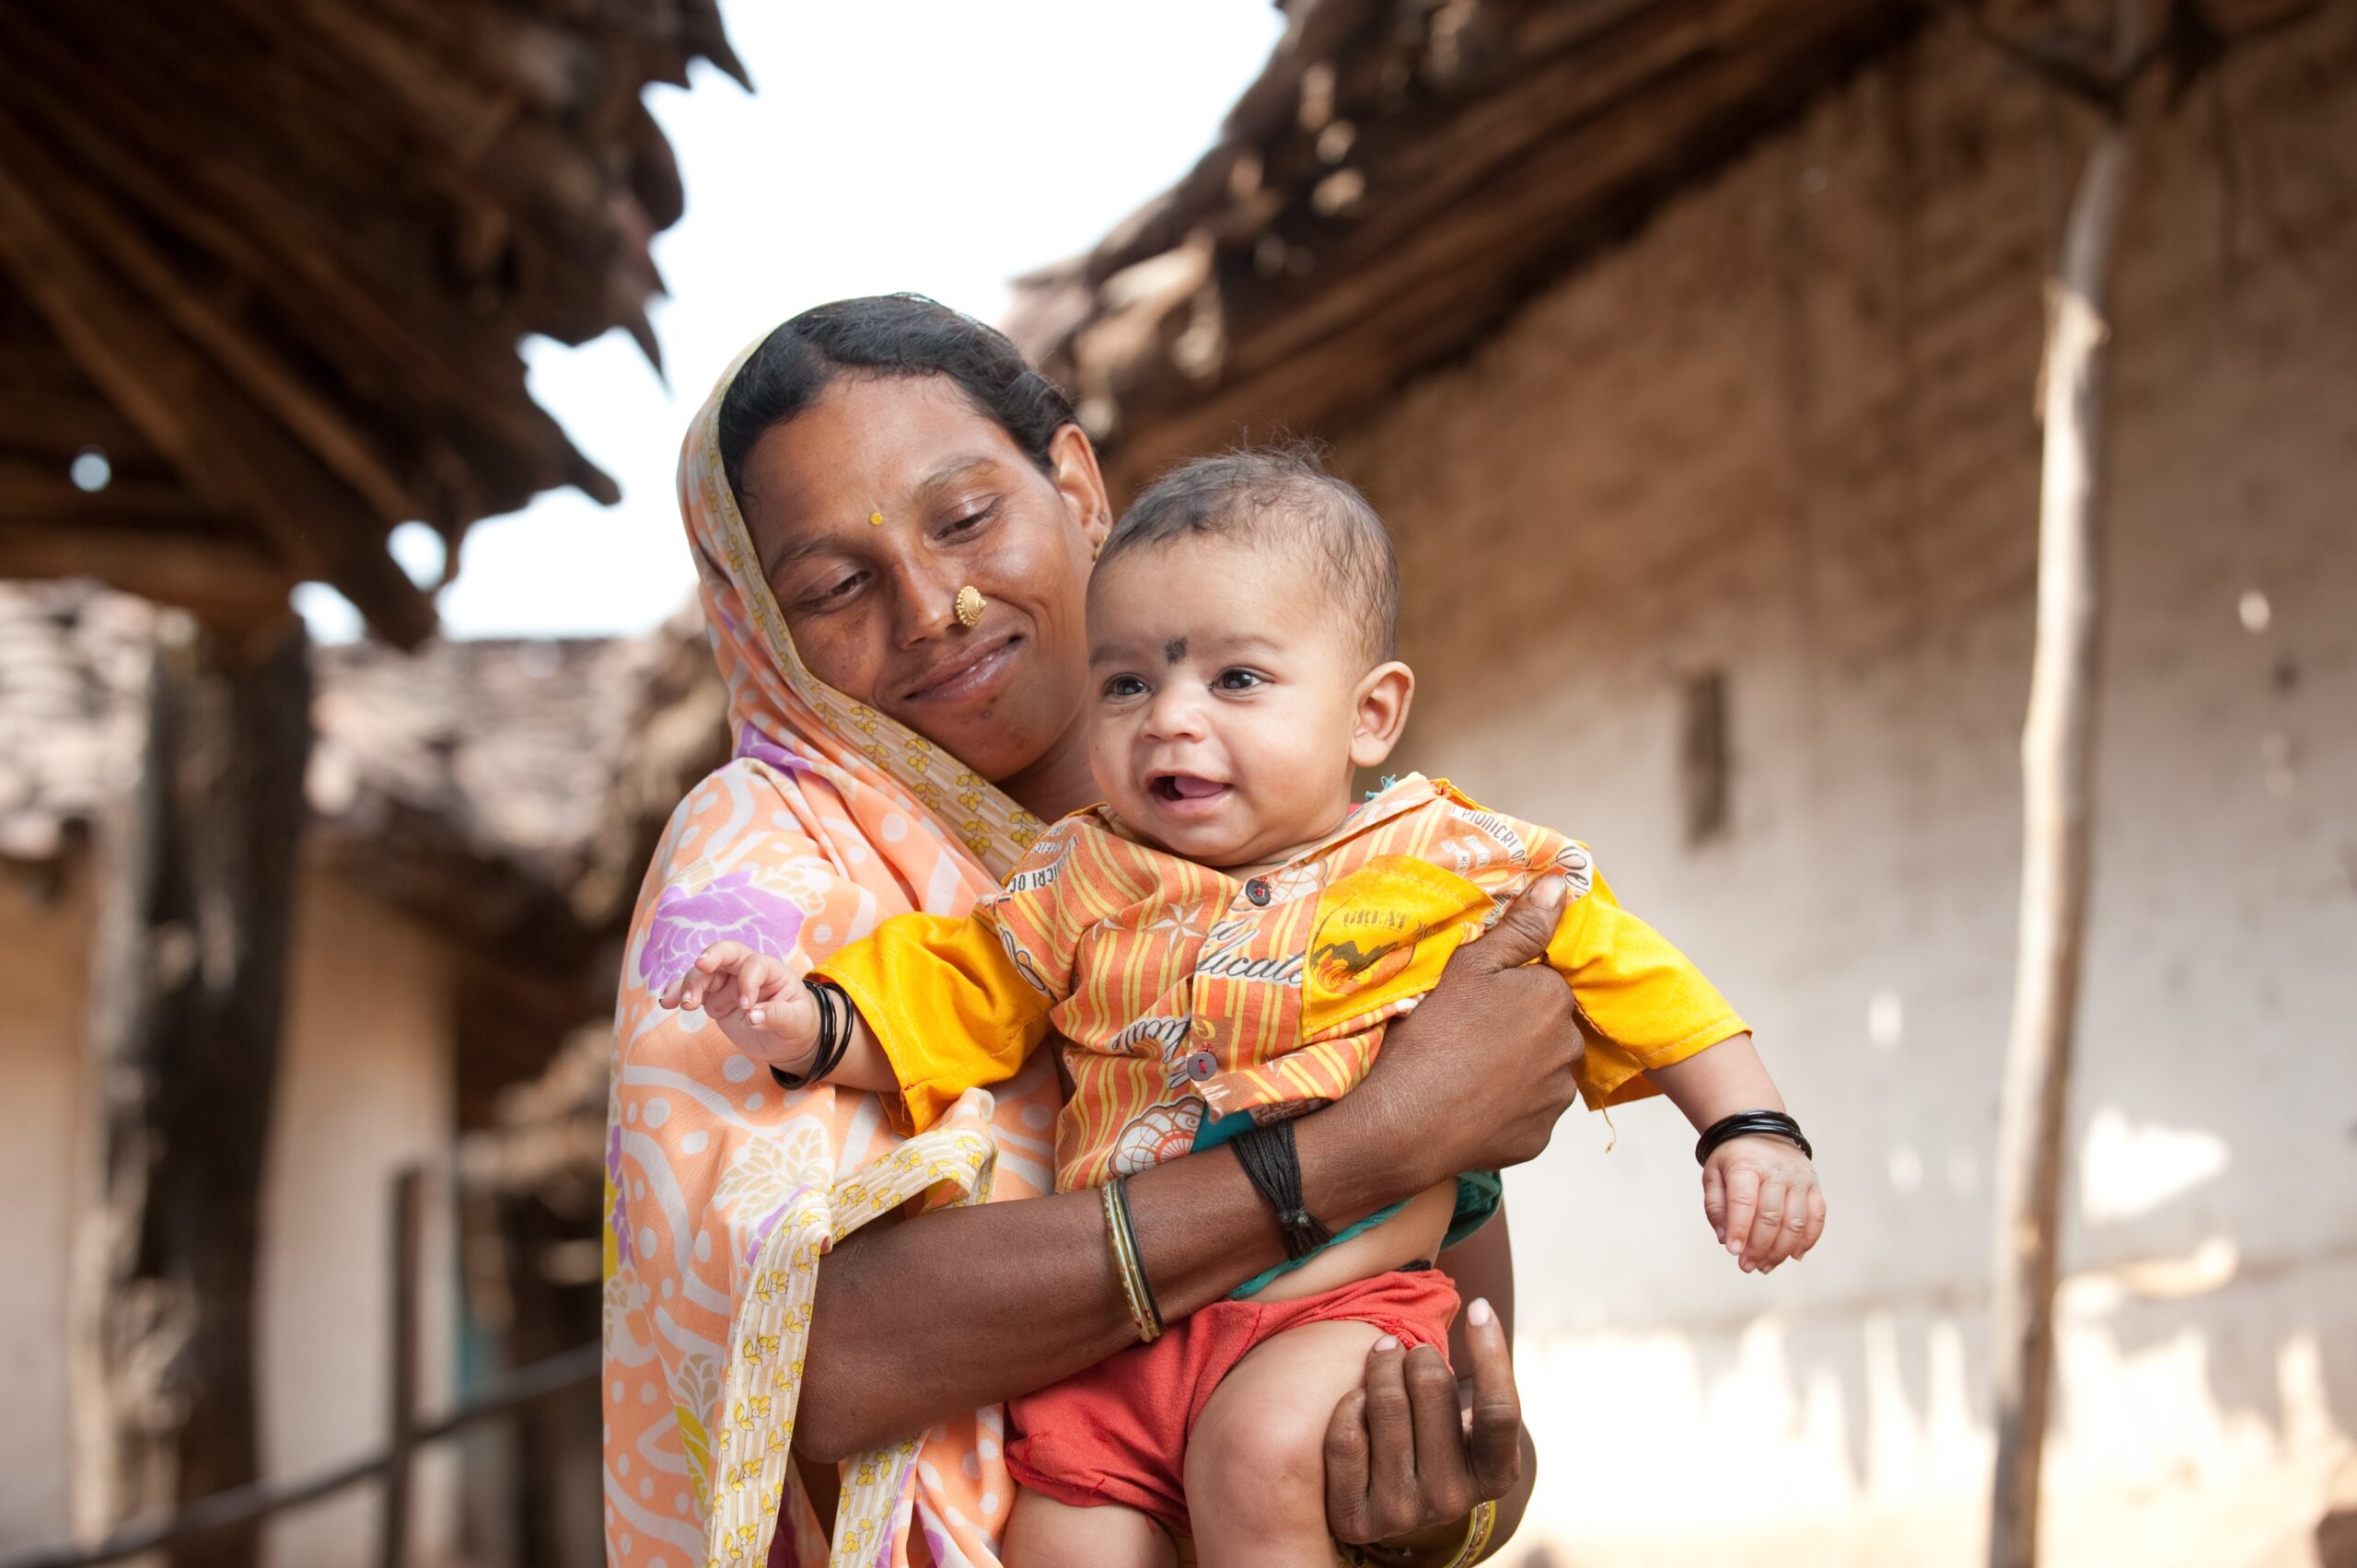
[
  {"x": 1044, "y": 1533},
  {"x": 1255, "y": 1461}
]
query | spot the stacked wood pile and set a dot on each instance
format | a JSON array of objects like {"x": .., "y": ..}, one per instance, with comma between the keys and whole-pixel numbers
[
  {"x": 1401, "y": 175},
  {"x": 264, "y": 265}
]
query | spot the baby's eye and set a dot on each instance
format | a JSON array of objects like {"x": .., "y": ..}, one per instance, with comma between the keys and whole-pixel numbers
[
  {"x": 1121, "y": 687},
  {"x": 1239, "y": 680}
]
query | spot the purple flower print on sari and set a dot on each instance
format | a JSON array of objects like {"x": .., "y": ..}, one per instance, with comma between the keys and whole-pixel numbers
[
  {"x": 615, "y": 1222},
  {"x": 729, "y": 909},
  {"x": 751, "y": 743}
]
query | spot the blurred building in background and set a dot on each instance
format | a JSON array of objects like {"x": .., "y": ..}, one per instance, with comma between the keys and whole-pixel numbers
[
  {"x": 264, "y": 275},
  {"x": 1691, "y": 352},
  {"x": 480, "y": 816}
]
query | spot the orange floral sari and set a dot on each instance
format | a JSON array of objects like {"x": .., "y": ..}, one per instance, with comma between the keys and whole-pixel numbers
[{"x": 723, "y": 1193}]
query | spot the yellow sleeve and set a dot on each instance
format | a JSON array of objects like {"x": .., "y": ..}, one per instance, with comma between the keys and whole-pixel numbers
[
  {"x": 1644, "y": 1003},
  {"x": 947, "y": 1002}
]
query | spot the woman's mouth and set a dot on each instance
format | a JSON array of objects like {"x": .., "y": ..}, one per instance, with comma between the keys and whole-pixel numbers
[{"x": 970, "y": 673}]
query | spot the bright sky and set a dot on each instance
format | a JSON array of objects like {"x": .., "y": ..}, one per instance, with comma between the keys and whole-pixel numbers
[{"x": 939, "y": 145}]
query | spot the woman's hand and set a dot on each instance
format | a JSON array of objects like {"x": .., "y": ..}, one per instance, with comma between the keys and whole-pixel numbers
[
  {"x": 1403, "y": 1454},
  {"x": 1475, "y": 1078}
]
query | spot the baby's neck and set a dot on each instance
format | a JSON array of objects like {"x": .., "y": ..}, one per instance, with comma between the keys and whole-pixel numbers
[{"x": 1262, "y": 863}]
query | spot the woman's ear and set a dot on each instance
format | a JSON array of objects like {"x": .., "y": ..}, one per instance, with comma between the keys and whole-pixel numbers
[
  {"x": 1072, "y": 457},
  {"x": 1381, "y": 713}
]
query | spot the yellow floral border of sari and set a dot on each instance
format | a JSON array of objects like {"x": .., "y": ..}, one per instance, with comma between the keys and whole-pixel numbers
[{"x": 771, "y": 1331}]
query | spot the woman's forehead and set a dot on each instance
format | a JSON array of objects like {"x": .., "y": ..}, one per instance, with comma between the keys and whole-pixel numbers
[{"x": 867, "y": 443}]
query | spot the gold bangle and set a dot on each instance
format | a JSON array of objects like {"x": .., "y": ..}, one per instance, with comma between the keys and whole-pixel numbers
[
  {"x": 1478, "y": 1530},
  {"x": 1480, "y": 1526},
  {"x": 1151, "y": 1317},
  {"x": 1134, "y": 1294}
]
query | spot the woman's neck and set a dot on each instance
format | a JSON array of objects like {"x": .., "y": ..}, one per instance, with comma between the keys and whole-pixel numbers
[{"x": 1058, "y": 783}]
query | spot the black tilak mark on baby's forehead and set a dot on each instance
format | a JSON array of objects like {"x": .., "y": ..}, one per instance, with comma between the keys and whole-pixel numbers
[{"x": 1175, "y": 649}]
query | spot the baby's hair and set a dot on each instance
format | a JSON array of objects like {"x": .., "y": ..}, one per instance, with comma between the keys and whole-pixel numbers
[{"x": 1277, "y": 495}]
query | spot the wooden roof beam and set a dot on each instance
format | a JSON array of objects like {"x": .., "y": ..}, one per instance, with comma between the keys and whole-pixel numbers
[
  {"x": 232, "y": 458},
  {"x": 225, "y": 584},
  {"x": 438, "y": 368}
]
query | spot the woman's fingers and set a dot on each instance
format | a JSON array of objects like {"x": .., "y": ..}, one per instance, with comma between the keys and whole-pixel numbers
[
  {"x": 1346, "y": 1470},
  {"x": 1401, "y": 1452},
  {"x": 1444, "y": 1483},
  {"x": 1493, "y": 1438},
  {"x": 1520, "y": 936},
  {"x": 1390, "y": 1441}
]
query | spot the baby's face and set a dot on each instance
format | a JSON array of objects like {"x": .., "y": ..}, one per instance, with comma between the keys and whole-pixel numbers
[{"x": 1227, "y": 700}]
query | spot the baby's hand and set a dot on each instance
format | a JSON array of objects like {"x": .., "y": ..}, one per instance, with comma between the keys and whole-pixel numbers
[
  {"x": 1761, "y": 1198},
  {"x": 763, "y": 1009}
]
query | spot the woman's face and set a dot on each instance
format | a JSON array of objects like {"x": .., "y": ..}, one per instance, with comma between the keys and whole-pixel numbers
[{"x": 871, "y": 602}]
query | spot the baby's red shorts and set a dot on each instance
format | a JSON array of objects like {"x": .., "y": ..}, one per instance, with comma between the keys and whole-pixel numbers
[{"x": 1118, "y": 1432}]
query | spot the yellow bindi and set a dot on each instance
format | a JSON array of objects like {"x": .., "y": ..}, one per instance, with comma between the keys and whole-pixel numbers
[{"x": 875, "y": 519}]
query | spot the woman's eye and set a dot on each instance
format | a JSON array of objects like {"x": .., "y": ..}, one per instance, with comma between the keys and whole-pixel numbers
[
  {"x": 1238, "y": 679},
  {"x": 834, "y": 594},
  {"x": 973, "y": 519}
]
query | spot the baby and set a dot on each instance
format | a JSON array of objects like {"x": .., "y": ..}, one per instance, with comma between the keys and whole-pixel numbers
[{"x": 1220, "y": 946}]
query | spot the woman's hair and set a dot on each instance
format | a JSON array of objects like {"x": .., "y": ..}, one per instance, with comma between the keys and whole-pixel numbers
[{"x": 887, "y": 334}]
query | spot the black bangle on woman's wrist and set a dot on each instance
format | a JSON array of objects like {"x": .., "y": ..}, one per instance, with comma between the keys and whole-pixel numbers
[
  {"x": 1271, "y": 1160},
  {"x": 1749, "y": 1124},
  {"x": 835, "y": 1020}
]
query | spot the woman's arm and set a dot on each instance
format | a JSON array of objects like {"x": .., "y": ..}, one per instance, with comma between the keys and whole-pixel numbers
[
  {"x": 1473, "y": 1079},
  {"x": 1038, "y": 1297}
]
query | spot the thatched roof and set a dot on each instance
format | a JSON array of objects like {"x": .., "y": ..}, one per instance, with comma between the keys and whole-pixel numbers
[
  {"x": 273, "y": 259},
  {"x": 508, "y": 791},
  {"x": 1399, "y": 177}
]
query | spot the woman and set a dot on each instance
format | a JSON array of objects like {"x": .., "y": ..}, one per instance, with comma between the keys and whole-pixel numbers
[{"x": 849, "y": 478}]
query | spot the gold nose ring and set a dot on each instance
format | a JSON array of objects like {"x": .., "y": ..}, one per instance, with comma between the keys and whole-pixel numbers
[{"x": 970, "y": 606}]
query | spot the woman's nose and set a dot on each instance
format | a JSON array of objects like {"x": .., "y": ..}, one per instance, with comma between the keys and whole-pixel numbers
[{"x": 924, "y": 605}]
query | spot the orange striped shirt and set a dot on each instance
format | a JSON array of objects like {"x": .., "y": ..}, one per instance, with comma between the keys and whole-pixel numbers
[{"x": 1185, "y": 994}]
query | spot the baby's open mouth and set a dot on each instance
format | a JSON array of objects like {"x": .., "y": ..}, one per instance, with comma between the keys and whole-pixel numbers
[{"x": 1177, "y": 788}]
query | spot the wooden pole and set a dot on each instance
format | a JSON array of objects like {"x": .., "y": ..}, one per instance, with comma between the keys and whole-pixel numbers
[
  {"x": 189, "y": 982},
  {"x": 2057, "y": 799},
  {"x": 402, "y": 1361}
]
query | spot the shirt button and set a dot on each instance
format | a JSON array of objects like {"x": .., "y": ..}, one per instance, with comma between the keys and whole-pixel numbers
[
  {"x": 1257, "y": 890},
  {"x": 1202, "y": 1065}
]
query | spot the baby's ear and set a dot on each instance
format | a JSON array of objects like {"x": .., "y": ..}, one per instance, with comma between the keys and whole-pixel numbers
[{"x": 1383, "y": 697}]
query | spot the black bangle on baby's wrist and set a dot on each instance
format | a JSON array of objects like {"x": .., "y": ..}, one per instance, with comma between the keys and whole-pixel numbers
[
  {"x": 1751, "y": 1124},
  {"x": 835, "y": 1018}
]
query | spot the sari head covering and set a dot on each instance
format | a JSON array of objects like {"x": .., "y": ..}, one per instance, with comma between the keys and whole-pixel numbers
[{"x": 723, "y": 1193}]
